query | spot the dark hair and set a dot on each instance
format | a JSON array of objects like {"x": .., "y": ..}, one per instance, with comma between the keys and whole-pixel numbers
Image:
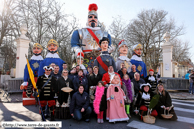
[
  {"x": 104, "y": 39},
  {"x": 76, "y": 65},
  {"x": 81, "y": 70},
  {"x": 56, "y": 66},
  {"x": 101, "y": 83},
  {"x": 81, "y": 85},
  {"x": 64, "y": 63}
]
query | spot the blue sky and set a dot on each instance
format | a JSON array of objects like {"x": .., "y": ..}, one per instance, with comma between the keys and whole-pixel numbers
[{"x": 181, "y": 10}]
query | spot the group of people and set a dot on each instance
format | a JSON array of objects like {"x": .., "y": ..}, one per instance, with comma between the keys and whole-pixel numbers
[
  {"x": 190, "y": 76},
  {"x": 96, "y": 83}
]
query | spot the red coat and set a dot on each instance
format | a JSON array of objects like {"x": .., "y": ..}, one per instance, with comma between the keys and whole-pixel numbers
[{"x": 106, "y": 78}]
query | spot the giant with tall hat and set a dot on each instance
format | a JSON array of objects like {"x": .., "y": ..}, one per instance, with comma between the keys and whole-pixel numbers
[
  {"x": 89, "y": 36},
  {"x": 51, "y": 57}
]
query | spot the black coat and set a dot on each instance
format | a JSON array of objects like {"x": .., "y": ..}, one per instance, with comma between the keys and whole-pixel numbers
[
  {"x": 137, "y": 84},
  {"x": 76, "y": 83},
  {"x": 63, "y": 96},
  {"x": 93, "y": 80},
  {"x": 48, "y": 91},
  {"x": 79, "y": 101},
  {"x": 131, "y": 75}
]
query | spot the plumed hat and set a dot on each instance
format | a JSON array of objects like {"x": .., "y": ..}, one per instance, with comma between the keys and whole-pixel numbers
[
  {"x": 137, "y": 46},
  {"x": 82, "y": 55},
  {"x": 93, "y": 9},
  {"x": 52, "y": 41},
  {"x": 121, "y": 43},
  {"x": 38, "y": 46},
  {"x": 47, "y": 68}
]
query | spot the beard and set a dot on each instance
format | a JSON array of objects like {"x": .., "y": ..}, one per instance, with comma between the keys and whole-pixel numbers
[{"x": 36, "y": 54}]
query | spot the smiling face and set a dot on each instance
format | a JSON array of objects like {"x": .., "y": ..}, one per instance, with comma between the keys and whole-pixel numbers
[
  {"x": 52, "y": 47},
  {"x": 123, "y": 50},
  {"x": 37, "y": 50},
  {"x": 104, "y": 45},
  {"x": 160, "y": 88},
  {"x": 110, "y": 69},
  {"x": 92, "y": 20},
  {"x": 138, "y": 51},
  {"x": 146, "y": 88}
]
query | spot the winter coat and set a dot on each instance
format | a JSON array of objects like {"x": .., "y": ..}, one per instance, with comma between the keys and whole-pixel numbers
[{"x": 76, "y": 83}]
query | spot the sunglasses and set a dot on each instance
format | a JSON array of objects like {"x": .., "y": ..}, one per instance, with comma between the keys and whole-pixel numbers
[{"x": 91, "y": 16}]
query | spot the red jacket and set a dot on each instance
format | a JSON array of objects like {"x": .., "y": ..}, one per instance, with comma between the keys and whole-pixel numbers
[{"x": 106, "y": 78}]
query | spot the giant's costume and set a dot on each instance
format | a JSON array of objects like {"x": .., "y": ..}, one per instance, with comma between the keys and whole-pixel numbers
[
  {"x": 51, "y": 57},
  {"x": 34, "y": 62},
  {"x": 115, "y": 104},
  {"x": 138, "y": 62},
  {"x": 123, "y": 58},
  {"x": 46, "y": 85},
  {"x": 83, "y": 36}
]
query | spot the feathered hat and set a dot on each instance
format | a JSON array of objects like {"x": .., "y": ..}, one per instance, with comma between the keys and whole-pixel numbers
[
  {"x": 93, "y": 9},
  {"x": 145, "y": 84},
  {"x": 121, "y": 43},
  {"x": 52, "y": 41},
  {"x": 38, "y": 46}
]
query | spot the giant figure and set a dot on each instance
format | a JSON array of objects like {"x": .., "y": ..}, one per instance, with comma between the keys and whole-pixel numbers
[
  {"x": 138, "y": 62},
  {"x": 51, "y": 57},
  {"x": 34, "y": 62},
  {"x": 89, "y": 36}
]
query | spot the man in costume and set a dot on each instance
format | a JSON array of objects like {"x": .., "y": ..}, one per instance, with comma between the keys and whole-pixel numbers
[
  {"x": 80, "y": 61},
  {"x": 47, "y": 88},
  {"x": 138, "y": 62},
  {"x": 89, "y": 36},
  {"x": 123, "y": 51},
  {"x": 34, "y": 62},
  {"x": 51, "y": 57}
]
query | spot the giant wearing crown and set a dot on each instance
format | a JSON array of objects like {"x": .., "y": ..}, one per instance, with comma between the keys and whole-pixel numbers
[{"x": 89, "y": 36}]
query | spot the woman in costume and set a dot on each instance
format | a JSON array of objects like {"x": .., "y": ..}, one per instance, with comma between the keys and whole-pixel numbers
[
  {"x": 63, "y": 101},
  {"x": 143, "y": 101},
  {"x": 100, "y": 103},
  {"x": 165, "y": 102},
  {"x": 115, "y": 102},
  {"x": 104, "y": 60}
]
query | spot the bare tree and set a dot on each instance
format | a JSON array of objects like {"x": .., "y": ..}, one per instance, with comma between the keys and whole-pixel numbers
[{"x": 148, "y": 29}]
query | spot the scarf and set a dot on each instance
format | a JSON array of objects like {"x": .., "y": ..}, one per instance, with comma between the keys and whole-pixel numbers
[
  {"x": 98, "y": 96},
  {"x": 128, "y": 86}
]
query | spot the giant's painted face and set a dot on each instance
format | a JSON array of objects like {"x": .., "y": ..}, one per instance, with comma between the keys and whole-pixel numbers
[
  {"x": 138, "y": 51},
  {"x": 104, "y": 45},
  {"x": 92, "y": 20},
  {"x": 52, "y": 47},
  {"x": 123, "y": 49},
  {"x": 78, "y": 61},
  {"x": 115, "y": 80},
  {"x": 37, "y": 50}
]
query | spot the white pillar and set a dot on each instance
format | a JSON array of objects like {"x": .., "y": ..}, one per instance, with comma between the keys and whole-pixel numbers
[
  {"x": 22, "y": 49},
  {"x": 167, "y": 56}
]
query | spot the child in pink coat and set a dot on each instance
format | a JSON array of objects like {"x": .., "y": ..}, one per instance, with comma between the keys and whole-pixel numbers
[{"x": 115, "y": 102}]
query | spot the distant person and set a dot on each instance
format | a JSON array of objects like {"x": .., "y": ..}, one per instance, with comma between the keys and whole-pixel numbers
[
  {"x": 137, "y": 81},
  {"x": 151, "y": 79},
  {"x": 65, "y": 66},
  {"x": 187, "y": 75},
  {"x": 133, "y": 71},
  {"x": 56, "y": 73},
  {"x": 191, "y": 80}
]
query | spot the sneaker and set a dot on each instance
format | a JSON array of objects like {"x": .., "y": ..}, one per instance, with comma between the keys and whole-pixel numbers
[
  {"x": 98, "y": 120},
  {"x": 101, "y": 121}
]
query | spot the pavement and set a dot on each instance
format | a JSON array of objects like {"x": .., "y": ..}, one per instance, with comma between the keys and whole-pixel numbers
[{"x": 17, "y": 97}]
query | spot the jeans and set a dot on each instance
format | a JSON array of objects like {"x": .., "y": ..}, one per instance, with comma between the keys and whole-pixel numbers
[
  {"x": 86, "y": 114},
  {"x": 191, "y": 88}
]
